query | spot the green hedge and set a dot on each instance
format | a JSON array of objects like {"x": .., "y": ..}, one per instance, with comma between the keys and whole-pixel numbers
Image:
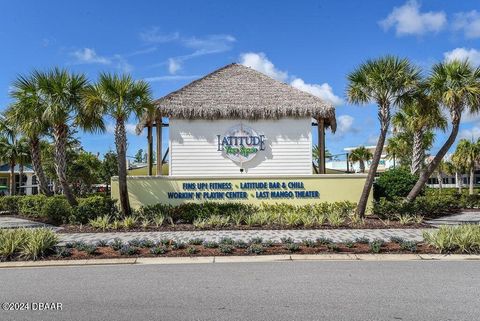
[
  {"x": 394, "y": 183},
  {"x": 57, "y": 210},
  {"x": 431, "y": 205},
  {"x": 9, "y": 204}
]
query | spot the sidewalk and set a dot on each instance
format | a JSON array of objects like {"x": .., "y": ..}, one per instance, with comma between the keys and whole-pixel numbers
[{"x": 274, "y": 235}]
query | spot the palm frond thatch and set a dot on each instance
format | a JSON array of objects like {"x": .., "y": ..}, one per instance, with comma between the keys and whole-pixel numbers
[{"x": 239, "y": 92}]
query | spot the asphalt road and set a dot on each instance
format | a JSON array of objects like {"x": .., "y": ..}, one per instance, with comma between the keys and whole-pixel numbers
[{"x": 350, "y": 290}]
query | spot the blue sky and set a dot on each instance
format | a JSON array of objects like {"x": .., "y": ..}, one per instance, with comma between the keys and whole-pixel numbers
[{"x": 310, "y": 44}]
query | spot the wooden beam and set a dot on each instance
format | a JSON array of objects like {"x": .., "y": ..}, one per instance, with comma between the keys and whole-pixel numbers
[
  {"x": 158, "y": 131},
  {"x": 150, "y": 149},
  {"x": 321, "y": 145}
]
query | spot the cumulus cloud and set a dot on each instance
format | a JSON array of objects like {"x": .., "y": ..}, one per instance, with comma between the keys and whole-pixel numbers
[
  {"x": 174, "y": 65},
  {"x": 472, "y": 55},
  {"x": 261, "y": 63},
  {"x": 323, "y": 91},
  {"x": 468, "y": 23},
  {"x": 89, "y": 56},
  {"x": 408, "y": 20}
]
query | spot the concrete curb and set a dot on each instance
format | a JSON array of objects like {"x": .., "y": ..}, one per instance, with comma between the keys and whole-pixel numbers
[{"x": 246, "y": 259}]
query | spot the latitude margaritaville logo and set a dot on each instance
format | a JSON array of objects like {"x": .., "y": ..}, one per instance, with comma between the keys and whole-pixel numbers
[{"x": 241, "y": 143}]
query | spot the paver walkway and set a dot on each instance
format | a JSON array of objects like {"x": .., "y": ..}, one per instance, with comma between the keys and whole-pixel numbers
[
  {"x": 457, "y": 219},
  {"x": 274, "y": 235},
  {"x": 15, "y": 222}
]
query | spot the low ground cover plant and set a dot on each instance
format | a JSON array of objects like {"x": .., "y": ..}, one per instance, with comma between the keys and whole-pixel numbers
[
  {"x": 455, "y": 239},
  {"x": 30, "y": 244}
]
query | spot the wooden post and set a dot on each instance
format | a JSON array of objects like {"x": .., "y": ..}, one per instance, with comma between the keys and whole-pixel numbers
[
  {"x": 149, "y": 149},
  {"x": 321, "y": 145},
  {"x": 159, "y": 127}
]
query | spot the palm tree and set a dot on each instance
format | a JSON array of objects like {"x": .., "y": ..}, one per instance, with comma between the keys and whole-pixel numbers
[
  {"x": 13, "y": 150},
  {"x": 360, "y": 155},
  {"x": 456, "y": 85},
  {"x": 385, "y": 81},
  {"x": 61, "y": 92},
  {"x": 468, "y": 154},
  {"x": 458, "y": 169},
  {"x": 419, "y": 116},
  {"x": 24, "y": 113},
  {"x": 119, "y": 96}
]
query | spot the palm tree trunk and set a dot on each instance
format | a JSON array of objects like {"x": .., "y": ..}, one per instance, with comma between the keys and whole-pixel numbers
[
  {"x": 121, "y": 145},
  {"x": 20, "y": 172},
  {"x": 60, "y": 133},
  {"x": 418, "y": 152},
  {"x": 440, "y": 180},
  {"x": 12, "y": 178},
  {"x": 385, "y": 120},
  {"x": 436, "y": 160},
  {"x": 472, "y": 178},
  {"x": 37, "y": 166},
  {"x": 459, "y": 182},
  {"x": 362, "y": 166}
]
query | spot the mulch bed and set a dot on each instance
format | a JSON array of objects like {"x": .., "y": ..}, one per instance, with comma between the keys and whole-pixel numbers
[{"x": 108, "y": 252}]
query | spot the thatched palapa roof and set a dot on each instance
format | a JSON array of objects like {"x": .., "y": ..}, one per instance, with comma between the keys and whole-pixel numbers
[{"x": 239, "y": 92}]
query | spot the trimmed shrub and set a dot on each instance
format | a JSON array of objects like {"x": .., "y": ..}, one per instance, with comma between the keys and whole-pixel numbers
[
  {"x": 394, "y": 183},
  {"x": 92, "y": 207},
  {"x": 31, "y": 205},
  {"x": 9, "y": 204},
  {"x": 56, "y": 209}
]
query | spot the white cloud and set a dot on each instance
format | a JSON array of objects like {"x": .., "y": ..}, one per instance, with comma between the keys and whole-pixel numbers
[
  {"x": 345, "y": 124},
  {"x": 261, "y": 63},
  {"x": 170, "y": 78},
  {"x": 174, "y": 65},
  {"x": 472, "y": 55},
  {"x": 129, "y": 128},
  {"x": 408, "y": 20},
  {"x": 468, "y": 22},
  {"x": 209, "y": 44},
  {"x": 472, "y": 133},
  {"x": 323, "y": 91},
  {"x": 153, "y": 35},
  {"x": 89, "y": 56}
]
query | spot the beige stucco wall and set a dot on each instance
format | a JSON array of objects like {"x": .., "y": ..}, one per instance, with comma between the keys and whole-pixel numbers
[{"x": 144, "y": 190}]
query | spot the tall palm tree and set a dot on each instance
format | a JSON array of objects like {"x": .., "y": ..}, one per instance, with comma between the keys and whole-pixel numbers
[
  {"x": 385, "y": 81},
  {"x": 468, "y": 154},
  {"x": 419, "y": 116},
  {"x": 26, "y": 113},
  {"x": 61, "y": 92},
  {"x": 119, "y": 96},
  {"x": 456, "y": 85},
  {"x": 360, "y": 155}
]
